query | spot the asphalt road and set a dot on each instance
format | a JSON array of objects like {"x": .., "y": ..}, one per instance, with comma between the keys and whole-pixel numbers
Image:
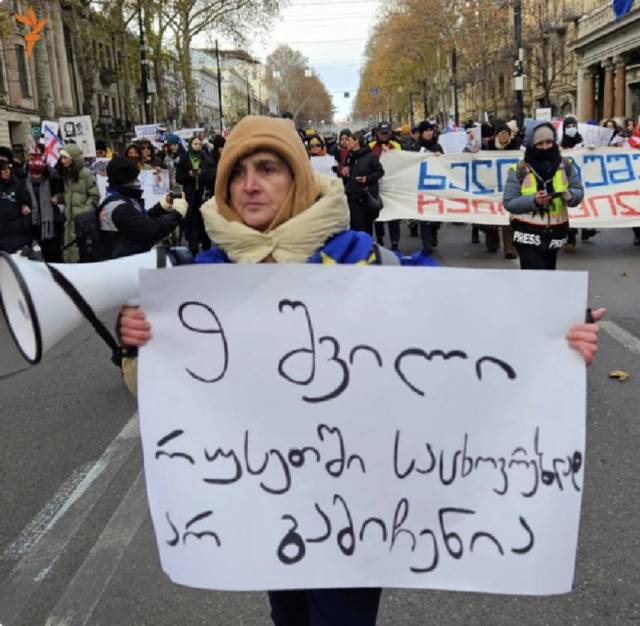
[{"x": 76, "y": 542}]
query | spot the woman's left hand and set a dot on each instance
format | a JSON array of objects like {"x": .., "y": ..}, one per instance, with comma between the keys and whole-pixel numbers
[{"x": 584, "y": 337}]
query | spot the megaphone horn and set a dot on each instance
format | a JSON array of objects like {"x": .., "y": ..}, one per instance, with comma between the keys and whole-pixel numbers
[{"x": 39, "y": 313}]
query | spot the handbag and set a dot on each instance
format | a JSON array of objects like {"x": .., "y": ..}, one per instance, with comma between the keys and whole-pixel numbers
[{"x": 373, "y": 203}]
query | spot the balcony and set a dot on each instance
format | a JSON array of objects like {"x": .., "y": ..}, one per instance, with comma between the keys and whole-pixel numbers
[{"x": 596, "y": 19}]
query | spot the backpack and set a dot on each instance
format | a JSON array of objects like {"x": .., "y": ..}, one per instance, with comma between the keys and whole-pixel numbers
[
  {"x": 523, "y": 169},
  {"x": 90, "y": 239}
]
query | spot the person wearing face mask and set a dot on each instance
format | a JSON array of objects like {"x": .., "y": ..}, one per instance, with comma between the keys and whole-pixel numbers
[
  {"x": 125, "y": 226},
  {"x": 537, "y": 193},
  {"x": 571, "y": 138}
]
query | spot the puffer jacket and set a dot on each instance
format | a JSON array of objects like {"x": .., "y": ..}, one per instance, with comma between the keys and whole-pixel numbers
[
  {"x": 15, "y": 228},
  {"x": 363, "y": 163},
  {"x": 80, "y": 194}
]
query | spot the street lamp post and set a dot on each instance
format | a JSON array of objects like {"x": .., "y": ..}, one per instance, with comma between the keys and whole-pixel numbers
[
  {"x": 246, "y": 76},
  {"x": 105, "y": 120}
]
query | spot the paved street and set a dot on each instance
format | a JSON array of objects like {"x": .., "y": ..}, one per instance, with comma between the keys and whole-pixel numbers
[{"x": 76, "y": 542}]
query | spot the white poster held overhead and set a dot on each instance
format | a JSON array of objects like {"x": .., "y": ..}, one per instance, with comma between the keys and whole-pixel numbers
[
  {"x": 289, "y": 443},
  {"x": 154, "y": 186},
  {"x": 79, "y": 130},
  {"x": 470, "y": 187},
  {"x": 544, "y": 114},
  {"x": 455, "y": 142},
  {"x": 324, "y": 165}
]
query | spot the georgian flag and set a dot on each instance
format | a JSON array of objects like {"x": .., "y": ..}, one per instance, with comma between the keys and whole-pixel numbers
[{"x": 52, "y": 144}]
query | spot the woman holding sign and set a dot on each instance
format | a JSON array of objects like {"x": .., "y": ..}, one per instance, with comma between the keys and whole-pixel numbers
[{"x": 270, "y": 207}]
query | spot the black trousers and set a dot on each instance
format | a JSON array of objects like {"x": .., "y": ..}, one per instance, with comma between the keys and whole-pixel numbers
[
  {"x": 533, "y": 258},
  {"x": 361, "y": 217},
  {"x": 325, "y": 607}
]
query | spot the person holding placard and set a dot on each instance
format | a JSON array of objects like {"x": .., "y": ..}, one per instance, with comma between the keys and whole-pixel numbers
[{"x": 270, "y": 207}]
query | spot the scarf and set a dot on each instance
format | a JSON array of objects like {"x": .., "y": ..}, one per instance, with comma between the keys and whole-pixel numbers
[
  {"x": 544, "y": 164},
  {"x": 292, "y": 241},
  {"x": 42, "y": 207}
]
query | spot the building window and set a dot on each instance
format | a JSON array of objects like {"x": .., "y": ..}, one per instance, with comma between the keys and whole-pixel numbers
[
  {"x": 23, "y": 71},
  {"x": 501, "y": 85}
]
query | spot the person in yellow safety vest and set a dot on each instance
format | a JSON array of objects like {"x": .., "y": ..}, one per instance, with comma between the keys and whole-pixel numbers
[{"x": 537, "y": 193}]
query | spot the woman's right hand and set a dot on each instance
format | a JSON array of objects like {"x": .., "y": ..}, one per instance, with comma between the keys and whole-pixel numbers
[{"x": 135, "y": 331}]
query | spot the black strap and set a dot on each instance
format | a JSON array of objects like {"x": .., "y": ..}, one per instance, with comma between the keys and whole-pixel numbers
[{"x": 87, "y": 311}]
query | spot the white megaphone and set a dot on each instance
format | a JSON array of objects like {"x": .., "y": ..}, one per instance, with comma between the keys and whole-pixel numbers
[{"x": 39, "y": 312}]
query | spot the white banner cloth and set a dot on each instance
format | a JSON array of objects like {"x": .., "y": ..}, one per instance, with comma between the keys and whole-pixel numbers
[
  {"x": 470, "y": 187},
  {"x": 299, "y": 431}
]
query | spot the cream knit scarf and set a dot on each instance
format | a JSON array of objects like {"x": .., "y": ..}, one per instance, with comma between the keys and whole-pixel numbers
[{"x": 295, "y": 241}]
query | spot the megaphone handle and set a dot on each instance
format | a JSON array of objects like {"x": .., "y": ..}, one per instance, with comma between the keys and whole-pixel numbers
[{"x": 89, "y": 314}]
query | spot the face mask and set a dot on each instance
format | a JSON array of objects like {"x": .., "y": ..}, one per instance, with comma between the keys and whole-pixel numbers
[{"x": 571, "y": 132}]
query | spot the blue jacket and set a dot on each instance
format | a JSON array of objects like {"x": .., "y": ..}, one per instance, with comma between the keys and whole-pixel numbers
[{"x": 347, "y": 248}]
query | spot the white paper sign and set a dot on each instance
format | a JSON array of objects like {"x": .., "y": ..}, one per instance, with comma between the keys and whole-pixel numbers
[
  {"x": 455, "y": 142},
  {"x": 300, "y": 430},
  {"x": 323, "y": 165},
  {"x": 79, "y": 130},
  {"x": 155, "y": 186},
  {"x": 543, "y": 114},
  {"x": 157, "y": 133}
]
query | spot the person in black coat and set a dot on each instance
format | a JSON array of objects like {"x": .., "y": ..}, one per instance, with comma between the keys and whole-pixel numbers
[
  {"x": 195, "y": 173},
  {"x": 44, "y": 187},
  {"x": 126, "y": 227},
  {"x": 364, "y": 170},
  {"x": 15, "y": 212},
  {"x": 428, "y": 142},
  {"x": 504, "y": 139}
]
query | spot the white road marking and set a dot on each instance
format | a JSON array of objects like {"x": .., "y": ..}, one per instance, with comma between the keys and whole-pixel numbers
[
  {"x": 38, "y": 562},
  {"x": 622, "y": 336},
  {"x": 86, "y": 589},
  {"x": 50, "y": 512}
]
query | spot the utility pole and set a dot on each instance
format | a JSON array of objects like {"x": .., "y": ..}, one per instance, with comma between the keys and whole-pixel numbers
[
  {"x": 454, "y": 71},
  {"x": 411, "y": 116},
  {"x": 519, "y": 74},
  {"x": 219, "y": 89},
  {"x": 143, "y": 68}
]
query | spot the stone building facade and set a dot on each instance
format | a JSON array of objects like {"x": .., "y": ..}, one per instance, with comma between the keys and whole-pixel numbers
[{"x": 608, "y": 51}]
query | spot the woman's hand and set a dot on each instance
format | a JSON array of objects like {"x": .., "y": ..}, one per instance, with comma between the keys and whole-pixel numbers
[
  {"x": 584, "y": 337},
  {"x": 135, "y": 331}
]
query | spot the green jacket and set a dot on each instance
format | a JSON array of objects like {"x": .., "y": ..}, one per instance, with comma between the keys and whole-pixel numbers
[{"x": 79, "y": 195}]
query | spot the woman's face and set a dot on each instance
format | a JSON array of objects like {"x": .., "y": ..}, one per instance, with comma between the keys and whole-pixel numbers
[
  {"x": 504, "y": 136},
  {"x": 196, "y": 145},
  {"x": 66, "y": 161},
  {"x": 353, "y": 143},
  {"x": 5, "y": 174},
  {"x": 258, "y": 186},
  {"x": 146, "y": 150},
  {"x": 133, "y": 153},
  {"x": 611, "y": 124},
  {"x": 547, "y": 144}
]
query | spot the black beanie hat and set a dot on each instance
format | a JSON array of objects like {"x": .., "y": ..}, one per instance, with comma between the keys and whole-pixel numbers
[
  {"x": 101, "y": 145},
  {"x": 503, "y": 127},
  {"x": 121, "y": 171},
  {"x": 425, "y": 125}
]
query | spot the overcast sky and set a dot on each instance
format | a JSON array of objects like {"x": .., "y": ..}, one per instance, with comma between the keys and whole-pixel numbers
[{"x": 332, "y": 35}]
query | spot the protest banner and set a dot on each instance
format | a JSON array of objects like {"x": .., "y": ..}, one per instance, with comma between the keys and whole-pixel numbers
[
  {"x": 454, "y": 142},
  {"x": 324, "y": 165},
  {"x": 470, "y": 187},
  {"x": 154, "y": 186},
  {"x": 290, "y": 444},
  {"x": 79, "y": 130},
  {"x": 157, "y": 133}
]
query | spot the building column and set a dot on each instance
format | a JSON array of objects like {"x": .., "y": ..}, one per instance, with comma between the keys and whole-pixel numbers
[
  {"x": 609, "y": 88},
  {"x": 621, "y": 87},
  {"x": 589, "y": 101}
]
